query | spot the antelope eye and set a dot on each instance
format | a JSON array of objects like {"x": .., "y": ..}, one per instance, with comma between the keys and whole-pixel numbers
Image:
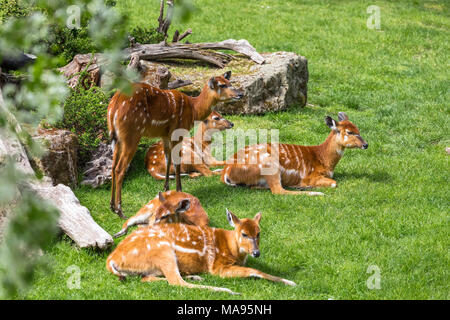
[
  {"x": 244, "y": 235},
  {"x": 216, "y": 118},
  {"x": 222, "y": 85},
  {"x": 350, "y": 132}
]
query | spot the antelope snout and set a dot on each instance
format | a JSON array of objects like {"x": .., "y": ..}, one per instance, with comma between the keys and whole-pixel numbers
[
  {"x": 365, "y": 146},
  {"x": 256, "y": 253}
]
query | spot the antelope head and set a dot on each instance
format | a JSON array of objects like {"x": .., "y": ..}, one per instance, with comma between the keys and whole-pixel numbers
[
  {"x": 247, "y": 233},
  {"x": 347, "y": 134}
]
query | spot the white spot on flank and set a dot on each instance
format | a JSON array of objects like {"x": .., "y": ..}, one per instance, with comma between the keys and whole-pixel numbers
[
  {"x": 188, "y": 250},
  {"x": 135, "y": 251},
  {"x": 159, "y": 122},
  {"x": 163, "y": 243}
]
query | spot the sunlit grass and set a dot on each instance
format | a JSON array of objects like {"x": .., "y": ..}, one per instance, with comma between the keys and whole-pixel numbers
[{"x": 391, "y": 205}]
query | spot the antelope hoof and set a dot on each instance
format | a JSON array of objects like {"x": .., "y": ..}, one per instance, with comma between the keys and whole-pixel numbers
[
  {"x": 314, "y": 193},
  {"x": 288, "y": 282},
  {"x": 119, "y": 234},
  {"x": 120, "y": 213}
]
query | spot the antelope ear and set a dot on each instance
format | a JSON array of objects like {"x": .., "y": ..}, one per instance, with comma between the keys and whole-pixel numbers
[
  {"x": 183, "y": 206},
  {"x": 342, "y": 116},
  {"x": 330, "y": 122},
  {"x": 212, "y": 83},
  {"x": 227, "y": 75},
  {"x": 161, "y": 197},
  {"x": 232, "y": 219},
  {"x": 257, "y": 217}
]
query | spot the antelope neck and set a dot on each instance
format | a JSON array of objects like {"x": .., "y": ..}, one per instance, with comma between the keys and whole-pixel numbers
[
  {"x": 329, "y": 153},
  {"x": 202, "y": 104}
]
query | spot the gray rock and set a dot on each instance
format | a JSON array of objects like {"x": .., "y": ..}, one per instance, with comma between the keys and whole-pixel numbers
[{"x": 273, "y": 86}]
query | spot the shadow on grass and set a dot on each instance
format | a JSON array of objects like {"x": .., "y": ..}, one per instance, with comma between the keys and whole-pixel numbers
[
  {"x": 259, "y": 265},
  {"x": 378, "y": 176}
]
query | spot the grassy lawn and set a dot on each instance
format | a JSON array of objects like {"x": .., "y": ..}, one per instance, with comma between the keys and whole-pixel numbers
[{"x": 391, "y": 207}]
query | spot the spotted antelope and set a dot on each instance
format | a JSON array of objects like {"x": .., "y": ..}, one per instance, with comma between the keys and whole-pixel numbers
[
  {"x": 294, "y": 166},
  {"x": 168, "y": 207},
  {"x": 196, "y": 158},
  {"x": 171, "y": 250},
  {"x": 152, "y": 112}
]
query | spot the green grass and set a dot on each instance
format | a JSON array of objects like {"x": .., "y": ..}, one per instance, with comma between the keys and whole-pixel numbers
[{"x": 391, "y": 207}]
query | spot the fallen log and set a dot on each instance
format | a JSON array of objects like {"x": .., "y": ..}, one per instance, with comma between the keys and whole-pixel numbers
[
  {"x": 74, "y": 219},
  {"x": 162, "y": 51},
  {"x": 204, "y": 52}
]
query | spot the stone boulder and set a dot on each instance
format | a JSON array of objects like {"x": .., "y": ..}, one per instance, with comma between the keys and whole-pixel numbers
[
  {"x": 59, "y": 162},
  {"x": 275, "y": 85}
]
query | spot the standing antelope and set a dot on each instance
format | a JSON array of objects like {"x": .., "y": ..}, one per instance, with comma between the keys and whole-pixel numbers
[
  {"x": 167, "y": 207},
  {"x": 152, "y": 112},
  {"x": 174, "y": 249},
  {"x": 196, "y": 155},
  {"x": 295, "y": 166}
]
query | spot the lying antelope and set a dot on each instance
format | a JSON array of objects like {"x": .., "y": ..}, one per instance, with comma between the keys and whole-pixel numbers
[
  {"x": 196, "y": 158},
  {"x": 174, "y": 249},
  {"x": 168, "y": 207},
  {"x": 152, "y": 112},
  {"x": 294, "y": 166}
]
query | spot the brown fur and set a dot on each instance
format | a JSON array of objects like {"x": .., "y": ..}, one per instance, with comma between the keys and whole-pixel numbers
[
  {"x": 170, "y": 250},
  {"x": 152, "y": 112},
  {"x": 196, "y": 156},
  {"x": 294, "y": 166},
  {"x": 162, "y": 209}
]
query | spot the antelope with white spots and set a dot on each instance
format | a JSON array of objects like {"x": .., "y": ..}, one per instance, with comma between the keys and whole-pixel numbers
[
  {"x": 168, "y": 207},
  {"x": 294, "y": 166},
  {"x": 172, "y": 250},
  {"x": 152, "y": 112},
  {"x": 196, "y": 158}
]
